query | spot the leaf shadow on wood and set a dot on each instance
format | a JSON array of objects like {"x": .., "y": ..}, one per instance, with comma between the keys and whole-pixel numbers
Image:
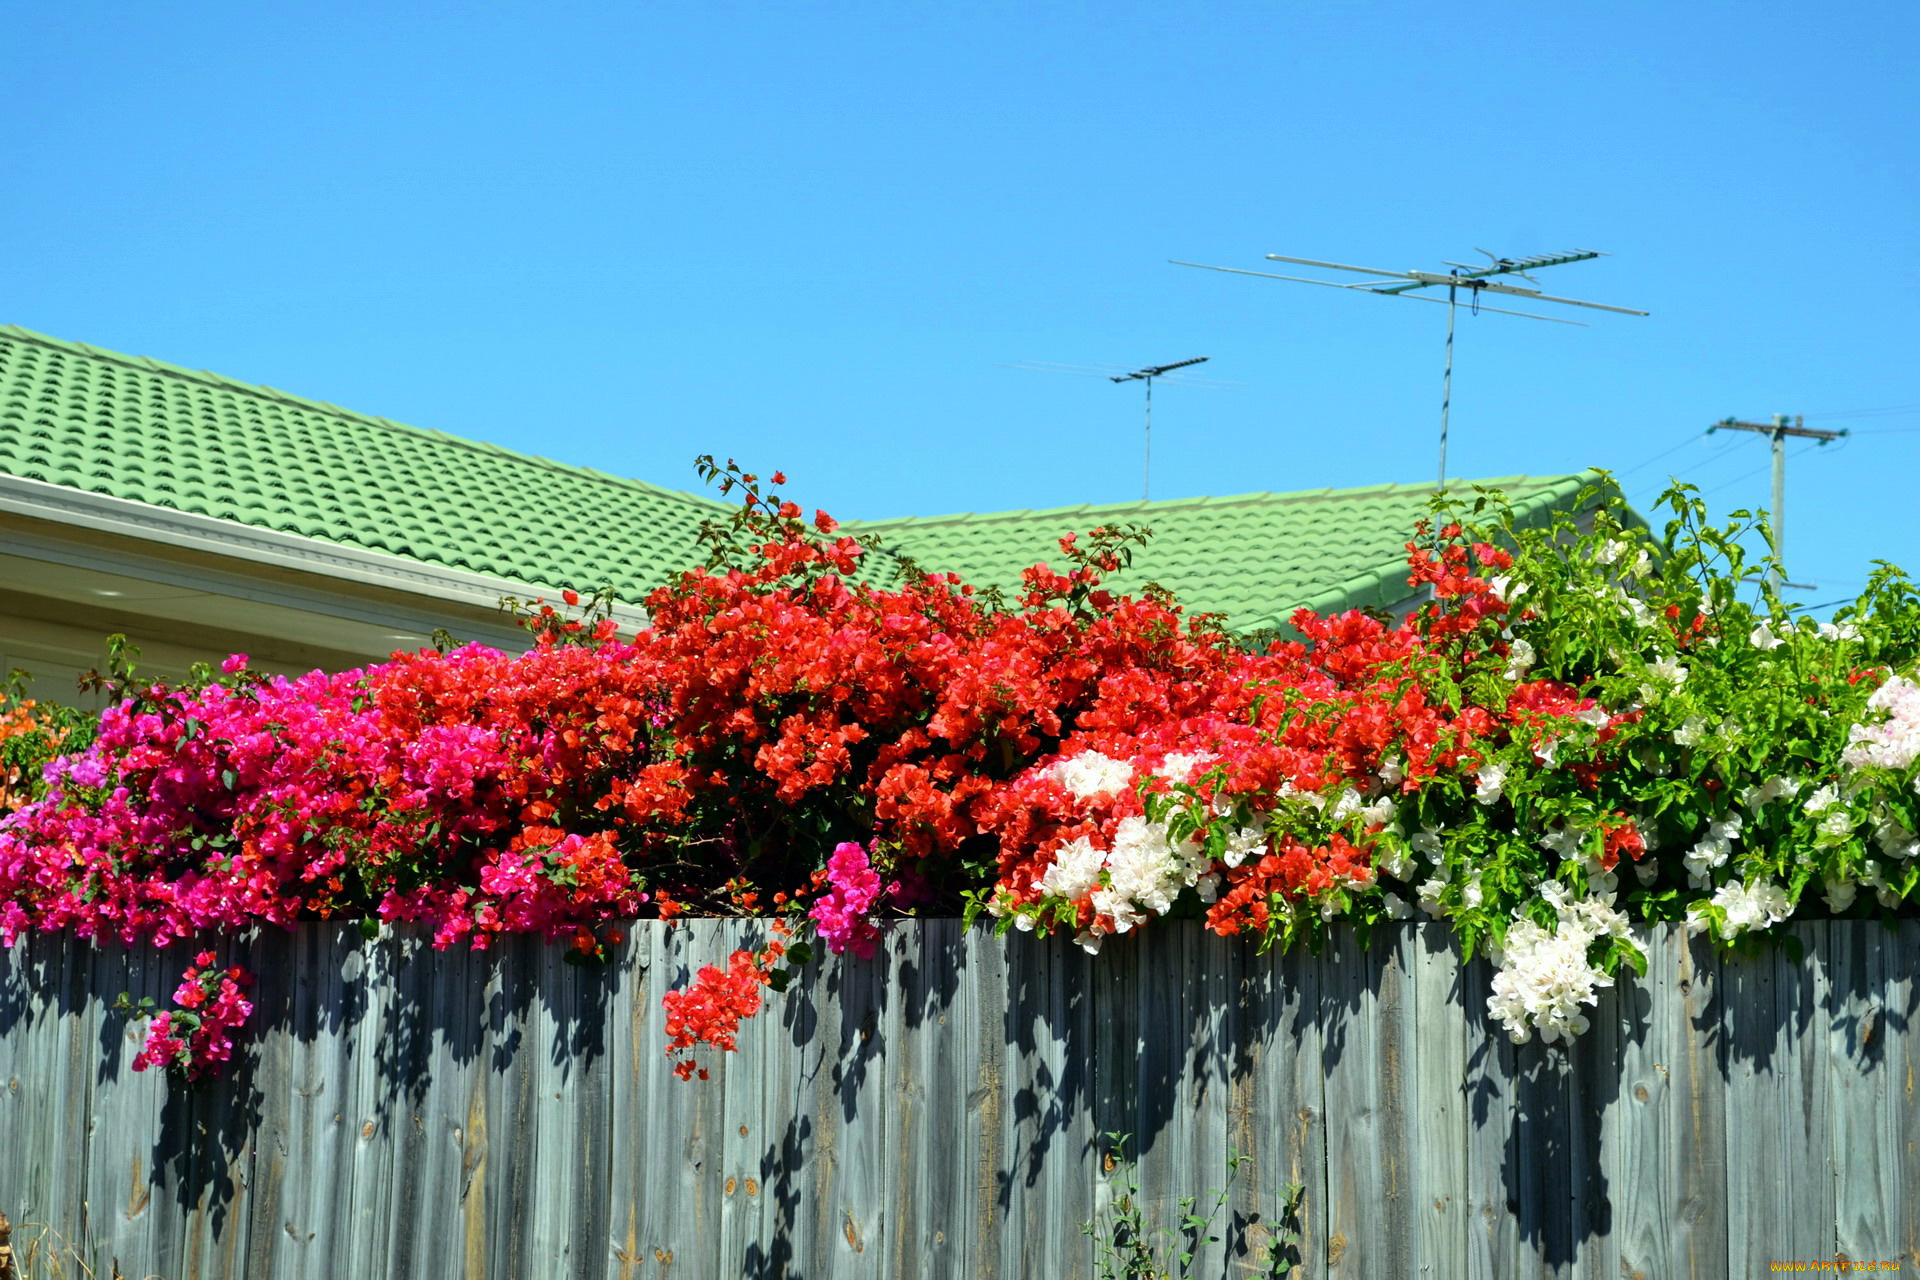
[
  {"x": 446, "y": 1009},
  {"x": 1543, "y": 1103}
]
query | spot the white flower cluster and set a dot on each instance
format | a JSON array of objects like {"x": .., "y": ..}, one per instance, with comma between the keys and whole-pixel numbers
[
  {"x": 1663, "y": 676},
  {"x": 1545, "y": 976},
  {"x": 1712, "y": 850},
  {"x": 1760, "y": 905},
  {"x": 1893, "y": 837},
  {"x": 1091, "y": 774},
  {"x": 1179, "y": 766},
  {"x": 1893, "y": 740},
  {"x": 1520, "y": 657},
  {"x": 1139, "y": 877},
  {"x": 1836, "y": 822}
]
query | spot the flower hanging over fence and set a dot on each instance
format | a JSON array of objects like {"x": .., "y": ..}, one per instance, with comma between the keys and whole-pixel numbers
[{"x": 1582, "y": 726}]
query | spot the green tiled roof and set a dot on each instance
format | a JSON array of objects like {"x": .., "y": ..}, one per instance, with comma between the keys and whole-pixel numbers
[
  {"x": 136, "y": 428},
  {"x": 1256, "y": 557}
]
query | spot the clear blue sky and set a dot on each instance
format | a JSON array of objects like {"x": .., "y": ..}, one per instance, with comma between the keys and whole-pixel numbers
[{"x": 808, "y": 235}]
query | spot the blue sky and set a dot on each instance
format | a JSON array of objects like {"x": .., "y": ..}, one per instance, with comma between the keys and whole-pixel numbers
[{"x": 808, "y": 236}]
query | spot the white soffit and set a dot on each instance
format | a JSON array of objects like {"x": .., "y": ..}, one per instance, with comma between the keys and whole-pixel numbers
[{"x": 165, "y": 527}]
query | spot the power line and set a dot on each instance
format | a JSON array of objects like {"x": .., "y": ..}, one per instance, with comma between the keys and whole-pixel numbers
[
  {"x": 1893, "y": 410},
  {"x": 1748, "y": 475},
  {"x": 1648, "y": 488},
  {"x": 1689, "y": 442}
]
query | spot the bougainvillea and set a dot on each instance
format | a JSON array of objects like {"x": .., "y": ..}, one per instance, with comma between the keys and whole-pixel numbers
[
  {"x": 194, "y": 1040},
  {"x": 1578, "y": 726}
]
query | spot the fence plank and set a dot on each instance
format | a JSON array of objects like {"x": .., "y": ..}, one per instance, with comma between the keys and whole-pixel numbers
[
  {"x": 635, "y": 1042},
  {"x": 1493, "y": 1241},
  {"x": 1643, "y": 1127},
  {"x": 937, "y": 1070},
  {"x": 1437, "y": 1114},
  {"x": 1780, "y": 1180},
  {"x": 368, "y": 1043},
  {"x": 1180, "y": 1117},
  {"x": 1286, "y": 1058},
  {"x": 132, "y": 1212},
  {"x": 1870, "y": 994},
  {"x": 1595, "y": 1059},
  {"x": 303, "y": 1157},
  {"x": 1118, "y": 1070},
  {"x": 1045, "y": 1021},
  {"x": 1903, "y": 1056},
  {"x": 1369, "y": 1210},
  {"x": 674, "y": 1157}
]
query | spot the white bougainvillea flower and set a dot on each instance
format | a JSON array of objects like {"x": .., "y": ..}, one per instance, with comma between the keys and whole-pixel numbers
[
  {"x": 1520, "y": 656},
  {"x": 1890, "y": 738},
  {"x": 1760, "y": 905},
  {"x": 1545, "y": 981},
  {"x": 1091, "y": 774}
]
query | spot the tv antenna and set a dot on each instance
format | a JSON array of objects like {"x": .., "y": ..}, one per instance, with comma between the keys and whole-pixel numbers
[
  {"x": 1475, "y": 280},
  {"x": 1119, "y": 373}
]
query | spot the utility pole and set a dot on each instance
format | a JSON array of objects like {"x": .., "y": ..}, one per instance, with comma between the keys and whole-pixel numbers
[
  {"x": 1147, "y": 376},
  {"x": 1778, "y": 431}
]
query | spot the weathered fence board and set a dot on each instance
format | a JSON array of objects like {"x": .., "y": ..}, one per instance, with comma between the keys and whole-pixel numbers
[{"x": 943, "y": 1109}]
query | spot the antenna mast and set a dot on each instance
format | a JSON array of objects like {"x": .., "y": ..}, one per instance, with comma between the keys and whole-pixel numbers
[
  {"x": 1475, "y": 280},
  {"x": 1147, "y": 376}
]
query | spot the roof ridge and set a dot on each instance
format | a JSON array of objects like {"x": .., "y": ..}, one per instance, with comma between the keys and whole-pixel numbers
[
  {"x": 1265, "y": 497},
  {"x": 261, "y": 391}
]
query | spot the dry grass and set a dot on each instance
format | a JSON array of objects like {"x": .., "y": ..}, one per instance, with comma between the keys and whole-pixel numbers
[{"x": 36, "y": 1251}]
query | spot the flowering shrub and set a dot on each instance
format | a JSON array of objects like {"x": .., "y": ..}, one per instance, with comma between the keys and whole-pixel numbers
[
  {"x": 31, "y": 734},
  {"x": 1582, "y": 725}
]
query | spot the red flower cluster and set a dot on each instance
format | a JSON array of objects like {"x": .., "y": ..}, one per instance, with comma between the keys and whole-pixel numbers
[{"x": 711, "y": 1010}]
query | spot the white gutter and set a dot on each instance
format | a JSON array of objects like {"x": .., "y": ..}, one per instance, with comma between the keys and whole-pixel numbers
[{"x": 145, "y": 522}]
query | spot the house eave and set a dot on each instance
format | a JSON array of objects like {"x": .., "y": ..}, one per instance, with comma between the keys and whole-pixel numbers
[{"x": 164, "y": 527}]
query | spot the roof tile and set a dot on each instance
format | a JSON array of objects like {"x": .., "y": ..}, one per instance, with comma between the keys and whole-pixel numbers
[{"x": 153, "y": 432}]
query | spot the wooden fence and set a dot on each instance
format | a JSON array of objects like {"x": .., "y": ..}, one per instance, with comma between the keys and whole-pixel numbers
[{"x": 940, "y": 1111}]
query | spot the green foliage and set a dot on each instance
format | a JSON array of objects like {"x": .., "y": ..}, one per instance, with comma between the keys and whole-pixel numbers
[
  {"x": 1130, "y": 1248},
  {"x": 1725, "y": 704},
  {"x": 32, "y": 732}
]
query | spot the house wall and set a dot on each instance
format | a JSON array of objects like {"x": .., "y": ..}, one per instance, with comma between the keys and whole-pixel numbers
[{"x": 65, "y": 587}]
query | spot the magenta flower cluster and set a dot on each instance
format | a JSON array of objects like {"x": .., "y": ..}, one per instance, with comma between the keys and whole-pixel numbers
[
  {"x": 195, "y": 1041},
  {"x": 841, "y": 915},
  {"x": 431, "y": 788}
]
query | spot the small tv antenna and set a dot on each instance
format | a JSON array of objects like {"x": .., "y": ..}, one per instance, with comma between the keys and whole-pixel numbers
[
  {"x": 1475, "y": 280},
  {"x": 1119, "y": 373}
]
